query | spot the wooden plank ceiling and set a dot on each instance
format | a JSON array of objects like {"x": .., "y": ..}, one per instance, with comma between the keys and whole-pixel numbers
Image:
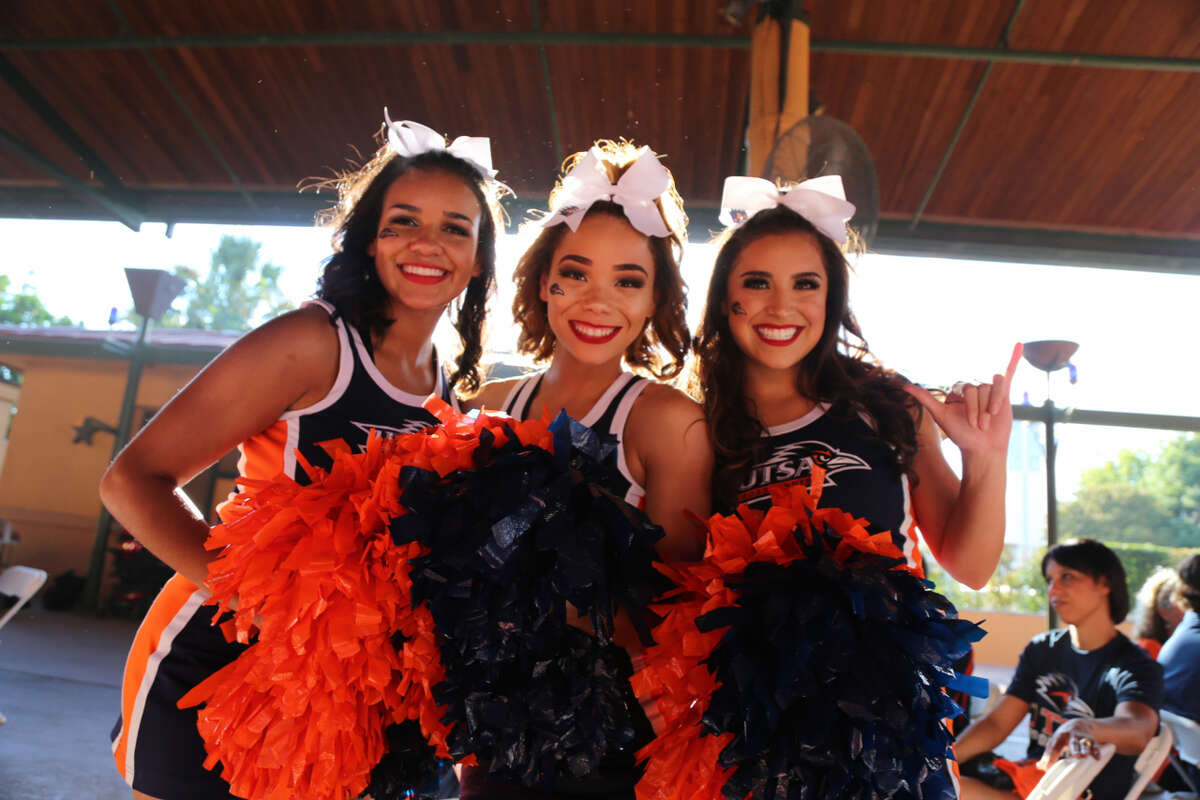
[{"x": 199, "y": 124}]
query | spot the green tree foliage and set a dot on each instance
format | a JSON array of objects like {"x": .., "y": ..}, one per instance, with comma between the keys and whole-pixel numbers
[
  {"x": 1015, "y": 586},
  {"x": 237, "y": 294},
  {"x": 1145, "y": 507},
  {"x": 24, "y": 307},
  {"x": 1140, "y": 498}
]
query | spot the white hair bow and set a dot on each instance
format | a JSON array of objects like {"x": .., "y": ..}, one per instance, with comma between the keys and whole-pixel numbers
[
  {"x": 635, "y": 192},
  {"x": 821, "y": 201},
  {"x": 410, "y": 139}
]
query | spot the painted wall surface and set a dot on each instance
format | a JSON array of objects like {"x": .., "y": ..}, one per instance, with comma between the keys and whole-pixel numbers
[
  {"x": 48, "y": 487},
  {"x": 8, "y": 401},
  {"x": 1007, "y": 635}
]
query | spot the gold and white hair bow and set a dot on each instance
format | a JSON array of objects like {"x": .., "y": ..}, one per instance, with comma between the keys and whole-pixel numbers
[
  {"x": 821, "y": 201},
  {"x": 409, "y": 139},
  {"x": 635, "y": 192}
]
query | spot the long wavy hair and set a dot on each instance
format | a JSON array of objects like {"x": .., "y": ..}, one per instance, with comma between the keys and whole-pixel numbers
[
  {"x": 839, "y": 370},
  {"x": 664, "y": 342},
  {"x": 349, "y": 280}
]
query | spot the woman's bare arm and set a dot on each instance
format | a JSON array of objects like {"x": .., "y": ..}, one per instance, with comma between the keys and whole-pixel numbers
[{"x": 287, "y": 363}]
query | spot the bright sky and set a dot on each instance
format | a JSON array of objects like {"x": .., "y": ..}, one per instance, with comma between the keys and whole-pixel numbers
[{"x": 935, "y": 320}]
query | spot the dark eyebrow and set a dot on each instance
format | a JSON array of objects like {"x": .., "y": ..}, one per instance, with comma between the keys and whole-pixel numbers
[
  {"x": 417, "y": 209},
  {"x": 762, "y": 273},
  {"x": 587, "y": 262}
]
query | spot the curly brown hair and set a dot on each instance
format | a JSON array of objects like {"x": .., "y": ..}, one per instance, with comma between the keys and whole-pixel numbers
[
  {"x": 664, "y": 342},
  {"x": 839, "y": 370},
  {"x": 349, "y": 280}
]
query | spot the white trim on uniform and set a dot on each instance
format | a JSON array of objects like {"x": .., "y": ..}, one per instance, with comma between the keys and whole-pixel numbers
[
  {"x": 524, "y": 398},
  {"x": 340, "y": 384},
  {"x": 345, "y": 370},
  {"x": 617, "y": 428},
  {"x": 165, "y": 640},
  {"x": 391, "y": 391},
  {"x": 812, "y": 416},
  {"x": 597, "y": 411},
  {"x": 508, "y": 406}
]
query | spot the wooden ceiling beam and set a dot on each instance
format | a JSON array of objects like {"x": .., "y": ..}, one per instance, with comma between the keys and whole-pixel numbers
[
  {"x": 50, "y": 117},
  {"x": 535, "y": 15},
  {"x": 561, "y": 38},
  {"x": 966, "y": 115},
  {"x": 115, "y": 200}
]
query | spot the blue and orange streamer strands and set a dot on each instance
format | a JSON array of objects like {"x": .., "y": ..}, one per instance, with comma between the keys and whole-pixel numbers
[
  {"x": 800, "y": 659},
  {"x": 313, "y": 570},
  {"x": 351, "y": 682}
]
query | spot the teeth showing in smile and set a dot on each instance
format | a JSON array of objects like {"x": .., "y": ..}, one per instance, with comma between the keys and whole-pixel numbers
[
  {"x": 777, "y": 334},
  {"x": 593, "y": 331},
  {"x": 421, "y": 269}
]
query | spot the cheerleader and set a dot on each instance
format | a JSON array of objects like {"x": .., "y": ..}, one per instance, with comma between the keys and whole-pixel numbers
[
  {"x": 806, "y": 657},
  {"x": 415, "y": 229},
  {"x": 598, "y": 292},
  {"x": 787, "y": 382}
]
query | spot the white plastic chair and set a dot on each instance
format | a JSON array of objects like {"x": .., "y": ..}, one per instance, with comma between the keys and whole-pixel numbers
[
  {"x": 22, "y": 583},
  {"x": 1157, "y": 751},
  {"x": 1187, "y": 742},
  {"x": 1067, "y": 778}
]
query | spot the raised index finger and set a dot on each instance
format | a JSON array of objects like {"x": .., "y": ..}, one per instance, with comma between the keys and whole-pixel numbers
[
  {"x": 1018, "y": 349},
  {"x": 1000, "y": 385}
]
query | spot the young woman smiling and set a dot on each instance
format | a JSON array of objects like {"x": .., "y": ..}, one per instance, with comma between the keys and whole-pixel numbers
[
  {"x": 827, "y": 674},
  {"x": 599, "y": 290},
  {"x": 787, "y": 379},
  {"x": 415, "y": 229}
]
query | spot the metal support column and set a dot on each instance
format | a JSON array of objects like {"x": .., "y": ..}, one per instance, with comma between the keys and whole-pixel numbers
[
  {"x": 91, "y": 591},
  {"x": 1051, "y": 496}
]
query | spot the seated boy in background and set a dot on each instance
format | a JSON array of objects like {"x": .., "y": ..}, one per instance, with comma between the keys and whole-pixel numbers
[{"x": 1082, "y": 686}]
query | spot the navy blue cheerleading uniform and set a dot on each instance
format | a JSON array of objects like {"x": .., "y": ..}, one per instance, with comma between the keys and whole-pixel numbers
[
  {"x": 860, "y": 476},
  {"x": 155, "y": 744}
]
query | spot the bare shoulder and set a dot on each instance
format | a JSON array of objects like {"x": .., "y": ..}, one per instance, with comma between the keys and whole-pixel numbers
[
  {"x": 661, "y": 401},
  {"x": 492, "y": 394},
  {"x": 664, "y": 411},
  {"x": 308, "y": 330},
  {"x": 299, "y": 349}
]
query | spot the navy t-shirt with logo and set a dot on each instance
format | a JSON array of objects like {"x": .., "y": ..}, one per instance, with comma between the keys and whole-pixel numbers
[{"x": 1060, "y": 683}]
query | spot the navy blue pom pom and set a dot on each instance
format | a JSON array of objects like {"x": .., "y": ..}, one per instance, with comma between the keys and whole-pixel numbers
[
  {"x": 519, "y": 548},
  {"x": 831, "y": 679}
]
